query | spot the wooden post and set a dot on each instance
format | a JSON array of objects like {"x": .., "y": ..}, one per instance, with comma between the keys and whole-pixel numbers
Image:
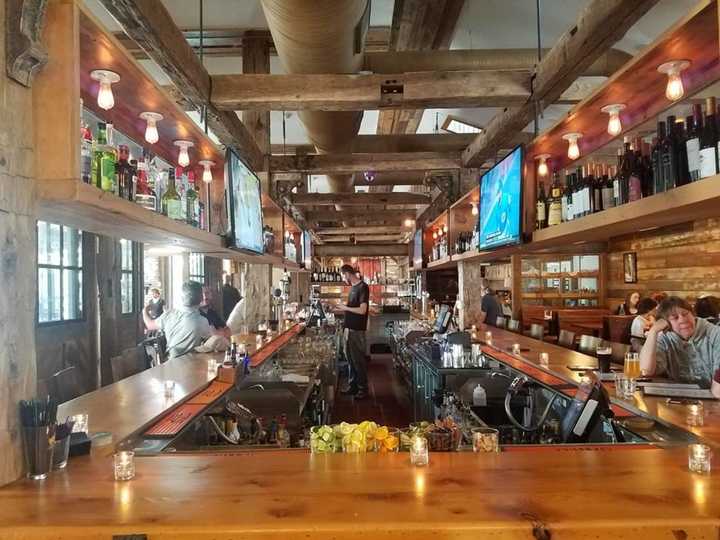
[
  {"x": 256, "y": 59},
  {"x": 56, "y": 96},
  {"x": 515, "y": 290}
]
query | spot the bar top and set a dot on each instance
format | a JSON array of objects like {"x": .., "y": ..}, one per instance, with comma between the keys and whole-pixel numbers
[{"x": 131, "y": 404}]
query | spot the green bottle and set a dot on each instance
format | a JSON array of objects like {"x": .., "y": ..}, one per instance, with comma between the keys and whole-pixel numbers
[
  {"x": 105, "y": 162},
  {"x": 192, "y": 201},
  {"x": 98, "y": 146},
  {"x": 171, "y": 205}
]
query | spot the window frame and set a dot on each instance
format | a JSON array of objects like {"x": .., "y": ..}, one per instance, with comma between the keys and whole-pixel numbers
[
  {"x": 131, "y": 273},
  {"x": 193, "y": 277},
  {"x": 61, "y": 267}
]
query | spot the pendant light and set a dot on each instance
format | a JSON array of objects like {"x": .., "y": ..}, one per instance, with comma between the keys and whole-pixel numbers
[
  {"x": 573, "y": 148},
  {"x": 106, "y": 78},
  {"x": 542, "y": 166},
  {"x": 474, "y": 209},
  {"x": 151, "y": 131},
  {"x": 207, "y": 172},
  {"x": 614, "y": 125},
  {"x": 183, "y": 156},
  {"x": 674, "y": 89}
]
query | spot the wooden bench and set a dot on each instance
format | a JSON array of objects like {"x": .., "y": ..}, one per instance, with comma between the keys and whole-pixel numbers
[
  {"x": 616, "y": 328},
  {"x": 581, "y": 321}
]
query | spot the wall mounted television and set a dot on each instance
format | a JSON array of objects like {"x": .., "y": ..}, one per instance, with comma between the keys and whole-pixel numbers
[
  {"x": 501, "y": 202},
  {"x": 418, "y": 250},
  {"x": 244, "y": 205}
]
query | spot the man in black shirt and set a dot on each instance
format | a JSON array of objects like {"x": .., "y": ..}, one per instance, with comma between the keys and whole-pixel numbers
[
  {"x": 356, "y": 319},
  {"x": 490, "y": 308},
  {"x": 231, "y": 296},
  {"x": 212, "y": 316}
]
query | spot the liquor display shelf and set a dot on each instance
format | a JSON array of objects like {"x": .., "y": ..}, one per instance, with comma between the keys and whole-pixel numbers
[
  {"x": 444, "y": 262},
  {"x": 697, "y": 200}
]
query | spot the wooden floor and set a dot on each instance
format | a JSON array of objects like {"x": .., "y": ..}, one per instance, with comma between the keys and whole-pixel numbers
[{"x": 387, "y": 402}]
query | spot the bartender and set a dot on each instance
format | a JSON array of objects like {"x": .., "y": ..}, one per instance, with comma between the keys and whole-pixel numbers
[{"x": 356, "y": 320}]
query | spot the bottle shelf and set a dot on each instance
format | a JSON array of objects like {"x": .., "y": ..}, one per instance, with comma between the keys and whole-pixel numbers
[
  {"x": 445, "y": 262},
  {"x": 698, "y": 200}
]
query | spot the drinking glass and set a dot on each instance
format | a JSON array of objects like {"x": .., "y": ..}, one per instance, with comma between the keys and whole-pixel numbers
[
  {"x": 699, "y": 458},
  {"x": 632, "y": 365},
  {"x": 485, "y": 440},
  {"x": 604, "y": 355},
  {"x": 625, "y": 386}
]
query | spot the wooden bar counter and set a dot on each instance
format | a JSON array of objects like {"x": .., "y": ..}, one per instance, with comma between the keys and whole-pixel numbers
[{"x": 558, "y": 492}]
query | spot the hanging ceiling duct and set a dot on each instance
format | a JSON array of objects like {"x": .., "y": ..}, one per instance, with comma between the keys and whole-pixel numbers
[
  {"x": 322, "y": 36},
  {"x": 479, "y": 59}
]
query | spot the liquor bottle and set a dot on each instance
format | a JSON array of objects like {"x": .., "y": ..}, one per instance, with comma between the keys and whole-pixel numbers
[
  {"x": 658, "y": 159},
  {"x": 105, "y": 154},
  {"x": 635, "y": 174},
  {"x": 144, "y": 195},
  {"x": 192, "y": 201},
  {"x": 540, "y": 209},
  {"x": 172, "y": 207},
  {"x": 692, "y": 144},
  {"x": 589, "y": 188},
  {"x": 709, "y": 141},
  {"x": 598, "y": 173},
  {"x": 86, "y": 152},
  {"x": 680, "y": 136},
  {"x": 124, "y": 173},
  {"x": 555, "y": 209},
  {"x": 100, "y": 143},
  {"x": 181, "y": 188},
  {"x": 608, "y": 199}
]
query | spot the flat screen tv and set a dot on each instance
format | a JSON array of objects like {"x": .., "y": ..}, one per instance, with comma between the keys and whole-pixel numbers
[
  {"x": 244, "y": 205},
  {"x": 501, "y": 202},
  {"x": 418, "y": 250}
]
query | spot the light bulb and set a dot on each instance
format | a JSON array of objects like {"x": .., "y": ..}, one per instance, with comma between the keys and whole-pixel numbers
[
  {"x": 207, "y": 172},
  {"x": 287, "y": 234},
  {"x": 674, "y": 89},
  {"x": 434, "y": 235},
  {"x": 543, "y": 167},
  {"x": 409, "y": 223},
  {"x": 573, "y": 148},
  {"x": 474, "y": 209},
  {"x": 445, "y": 229},
  {"x": 151, "y": 131},
  {"x": 614, "y": 125},
  {"x": 106, "y": 78},
  {"x": 183, "y": 156}
]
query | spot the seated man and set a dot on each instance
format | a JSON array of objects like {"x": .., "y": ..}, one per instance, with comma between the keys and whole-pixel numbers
[
  {"x": 681, "y": 346},
  {"x": 212, "y": 316},
  {"x": 185, "y": 328}
]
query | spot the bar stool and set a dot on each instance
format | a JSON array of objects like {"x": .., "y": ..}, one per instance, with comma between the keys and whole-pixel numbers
[
  {"x": 589, "y": 344},
  {"x": 513, "y": 325},
  {"x": 501, "y": 322},
  {"x": 566, "y": 339}
]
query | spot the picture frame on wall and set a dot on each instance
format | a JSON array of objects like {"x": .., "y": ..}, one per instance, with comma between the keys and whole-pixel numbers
[{"x": 630, "y": 267}]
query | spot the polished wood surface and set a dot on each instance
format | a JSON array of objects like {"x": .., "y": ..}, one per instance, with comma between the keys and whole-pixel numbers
[{"x": 518, "y": 494}]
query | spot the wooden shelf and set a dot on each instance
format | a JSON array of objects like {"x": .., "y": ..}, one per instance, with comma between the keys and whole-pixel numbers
[
  {"x": 465, "y": 256},
  {"x": 697, "y": 200},
  {"x": 445, "y": 262}
]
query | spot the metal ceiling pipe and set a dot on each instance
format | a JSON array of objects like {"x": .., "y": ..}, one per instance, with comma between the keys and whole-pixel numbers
[
  {"x": 477, "y": 60},
  {"x": 317, "y": 36}
]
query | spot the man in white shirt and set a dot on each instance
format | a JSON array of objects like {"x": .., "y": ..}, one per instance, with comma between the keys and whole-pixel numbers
[{"x": 185, "y": 328}]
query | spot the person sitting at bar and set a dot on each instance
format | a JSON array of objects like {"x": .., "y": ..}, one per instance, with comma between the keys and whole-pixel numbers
[
  {"x": 212, "y": 316},
  {"x": 681, "y": 346},
  {"x": 708, "y": 308},
  {"x": 490, "y": 308},
  {"x": 156, "y": 305},
  {"x": 629, "y": 306},
  {"x": 231, "y": 296},
  {"x": 642, "y": 323},
  {"x": 185, "y": 328}
]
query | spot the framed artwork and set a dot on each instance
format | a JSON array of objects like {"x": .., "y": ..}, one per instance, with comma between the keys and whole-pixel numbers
[{"x": 630, "y": 267}]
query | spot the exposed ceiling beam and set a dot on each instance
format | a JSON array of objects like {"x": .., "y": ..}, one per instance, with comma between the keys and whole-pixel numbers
[
  {"x": 359, "y": 214},
  {"x": 151, "y": 26},
  {"x": 359, "y": 239},
  {"x": 359, "y": 230},
  {"x": 362, "y": 250},
  {"x": 580, "y": 46},
  {"x": 338, "y": 92},
  {"x": 349, "y": 163},
  {"x": 359, "y": 199}
]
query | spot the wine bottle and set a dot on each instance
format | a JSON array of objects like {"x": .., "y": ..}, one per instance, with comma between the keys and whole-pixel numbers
[
  {"x": 692, "y": 144},
  {"x": 540, "y": 209},
  {"x": 124, "y": 173},
  {"x": 709, "y": 141},
  {"x": 555, "y": 209},
  {"x": 570, "y": 195},
  {"x": 681, "y": 157},
  {"x": 171, "y": 199},
  {"x": 599, "y": 174},
  {"x": 192, "y": 202},
  {"x": 617, "y": 189},
  {"x": 608, "y": 199},
  {"x": 635, "y": 173},
  {"x": 564, "y": 198}
]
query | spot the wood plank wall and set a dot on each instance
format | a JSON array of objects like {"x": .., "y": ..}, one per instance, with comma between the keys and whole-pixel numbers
[{"x": 682, "y": 260}]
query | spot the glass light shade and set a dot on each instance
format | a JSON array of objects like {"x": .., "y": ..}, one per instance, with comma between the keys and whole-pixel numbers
[
  {"x": 105, "y": 99},
  {"x": 434, "y": 235},
  {"x": 207, "y": 176},
  {"x": 674, "y": 89},
  {"x": 409, "y": 223},
  {"x": 474, "y": 210},
  {"x": 151, "y": 131},
  {"x": 183, "y": 155},
  {"x": 614, "y": 124},
  {"x": 573, "y": 148},
  {"x": 543, "y": 169}
]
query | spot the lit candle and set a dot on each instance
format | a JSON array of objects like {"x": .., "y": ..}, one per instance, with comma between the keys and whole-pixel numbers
[
  {"x": 124, "y": 465},
  {"x": 474, "y": 335},
  {"x": 699, "y": 458},
  {"x": 212, "y": 367},
  {"x": 488, "y": 338},
  {"x": 544, "y": 359},
  {"x": 169, "y": 388},
  {"x": 258, "y": 341},
  {"x": 419, "y": 452},
  {"x": 516, "y": 348},
  {"x": 695, "y": 414},
  {"x": 474, "y": 328}
]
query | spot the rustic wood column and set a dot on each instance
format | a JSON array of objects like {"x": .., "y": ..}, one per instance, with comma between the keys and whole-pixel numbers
[
  {"x": 256, "y": 59},
  {"x": 18, "y": 264}
]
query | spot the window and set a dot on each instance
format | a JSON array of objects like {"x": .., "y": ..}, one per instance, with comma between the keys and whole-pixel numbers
[
  {"x": 60, "y": 293},
  {"x": 453, "y": 124},
  {"x": 127, "y": 289},
  {"x": 197, "y": 268}
]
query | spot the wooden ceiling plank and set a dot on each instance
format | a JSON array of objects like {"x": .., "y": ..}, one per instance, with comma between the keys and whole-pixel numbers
[
  {"x": 349, "y": 163},
  {"x": 359, "y": 199},
  {"x": 150, "y": 25},
  {"x": 363, "y": 250},
  {"x": 359, "y": 230},
  {"x": 575, "y": 51}
]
